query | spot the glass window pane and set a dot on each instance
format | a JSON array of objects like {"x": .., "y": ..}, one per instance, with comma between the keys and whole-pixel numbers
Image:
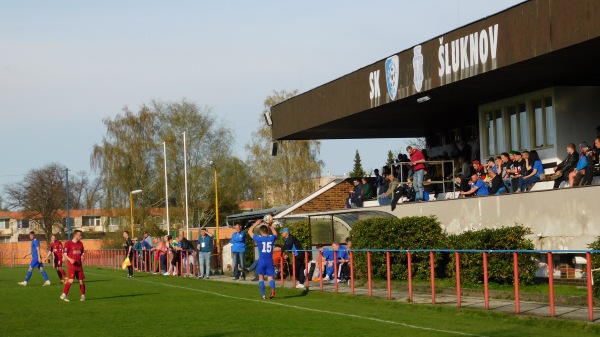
[
  {"x": 514, "y": 128},
  {"x": 539, "y": 123},
  {"x": 524, "y": 126},
  {"x": 550, "y": 129},
  {"x": 491, "y": 135},
  {"x": 500, "y": 141}
]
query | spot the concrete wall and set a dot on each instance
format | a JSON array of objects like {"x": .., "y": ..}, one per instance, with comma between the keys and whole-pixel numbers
[
  {"x": 560, "y": 219},
  {"x": 577, "y": 115}
]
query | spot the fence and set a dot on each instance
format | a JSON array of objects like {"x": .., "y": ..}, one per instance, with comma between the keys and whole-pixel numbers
[{"x": 151, "y": 262}]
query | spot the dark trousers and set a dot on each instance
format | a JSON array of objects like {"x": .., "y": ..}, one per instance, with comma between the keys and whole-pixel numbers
[
  {"x": 130, "y": 267},
  {"x": 299, "y": 261}
]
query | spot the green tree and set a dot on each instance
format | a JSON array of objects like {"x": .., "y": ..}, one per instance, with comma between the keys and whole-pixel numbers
[
  {"x": 390, "y": 158},
  {"x": 293, "y": 173},
  {"x": 357, "y": 171}
]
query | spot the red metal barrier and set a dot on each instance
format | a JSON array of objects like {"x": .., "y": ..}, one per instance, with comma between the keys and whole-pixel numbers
[
  {"x": 389, "y": 275},
  {"x": 306, "y": 283},
  {"x": 486, "y": 294},
  {"x": 516, "y": 277},
  {"x": 432, "y": 267},
  {"x": 458, "y": 297},
  {"x": 281, "y": 269},
  {"x": 551, "y": 283},
  {"x": 351, "y": 273},
  {"x": 335, "y": 273},
  {"x": 369, "y": 274},
  {"x": 409, "y": 265},
  {"x": 293, "y": 270},
  {"x": 588, "y": 274},
  {"x": 321, "y": 271}
]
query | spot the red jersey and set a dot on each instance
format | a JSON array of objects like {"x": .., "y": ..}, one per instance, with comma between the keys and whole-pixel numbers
[
  {"x": 416, "y": 156},
  {"x": 57, "y": 249},
  {"x": 74, "y": 251}
]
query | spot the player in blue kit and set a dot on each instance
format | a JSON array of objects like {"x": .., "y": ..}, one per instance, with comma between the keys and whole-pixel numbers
[
  {"x": 265, "y": 243},
  {"x": 36, "y": 261}
]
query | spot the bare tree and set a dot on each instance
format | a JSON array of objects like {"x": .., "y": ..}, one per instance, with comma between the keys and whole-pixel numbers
[{"x": 41, "y": 196}]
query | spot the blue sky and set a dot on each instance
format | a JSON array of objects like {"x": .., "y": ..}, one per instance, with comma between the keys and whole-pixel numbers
[{"x": 67, "y": 65}]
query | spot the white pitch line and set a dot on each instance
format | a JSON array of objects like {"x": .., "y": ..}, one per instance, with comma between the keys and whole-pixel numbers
[{"x": 310, "y": 309}]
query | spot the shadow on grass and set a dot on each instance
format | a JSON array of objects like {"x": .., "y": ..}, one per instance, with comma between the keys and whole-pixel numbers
[
  {"x": 91, "y": 281},
  {"x": 120, "y": 296},
  {"x": 302, "y": 294}
]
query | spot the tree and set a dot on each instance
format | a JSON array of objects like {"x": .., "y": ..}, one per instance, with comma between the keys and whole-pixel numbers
[
  {"x": 292, "y": 174},
  {"x": 390, "y": 158},
  {"x": 41, "y": 196},
  {"x": 357, "y": 171},
  {"x": 131, "y": 157}
]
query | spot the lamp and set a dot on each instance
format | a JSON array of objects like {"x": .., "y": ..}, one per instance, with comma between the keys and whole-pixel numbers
[
  {"x": 131, "y": 206},
  {"x": 423, "y": 99}
]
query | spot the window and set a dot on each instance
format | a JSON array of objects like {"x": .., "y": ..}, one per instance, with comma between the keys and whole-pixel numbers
[
  {"x": 90, "y": 221},
  {"x": 4, "y": 223},
  {"x": 23, "y": 223},
  {"x": 495, "y": 132},
  {"x": 4, "y": 238},
  {"x": 550, "y": 128},
  {"x": 71, "y": 222},
  {"x": 114, "y": 221},
  {"x": 519, "y": 135}
]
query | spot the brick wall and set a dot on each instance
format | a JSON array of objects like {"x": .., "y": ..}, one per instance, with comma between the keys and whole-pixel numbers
[{"x": 332, "y": 199}]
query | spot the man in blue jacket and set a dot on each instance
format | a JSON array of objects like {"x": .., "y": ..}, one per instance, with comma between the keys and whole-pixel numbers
[
  {"x": 238, "y": 250},
  {"x": 204, "y": 250}
]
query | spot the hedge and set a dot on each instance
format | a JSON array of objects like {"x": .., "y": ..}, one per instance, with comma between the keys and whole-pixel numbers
[{"x": 596, "y": 264}]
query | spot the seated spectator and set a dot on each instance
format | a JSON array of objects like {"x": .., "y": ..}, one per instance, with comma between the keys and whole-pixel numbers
[
  {"x": 343, "y": 260},
  {"x": 378, "y": 181},
  {"x": 463, "y": 185},
  {"x": 576, "y": 175},
  {"x": 517, "y": 170},
  {"x": 496, "y": 183},
  {"x": 478, "y": 187},
  {"x": 566, "y": 166},
  {"x": 479, "y": 169},
  {"x": 534, "y": 169},
  {"x": 508, "y": 169},
  {"x": 428, "y": 187},
  {"x": 354, "y": 200},
  {"x": 366, "y": 193},
  {"x": 386, "y": 198}
]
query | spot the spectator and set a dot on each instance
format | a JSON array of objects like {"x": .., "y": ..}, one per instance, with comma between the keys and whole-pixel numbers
[
  {"x": 496, "y": 183},
  {"x": 238, "y": 250},
  {"x": 137, "y": 248},
  {"x": 416, "y": 161},
  {"x": 575, "y": 176},
  {"x": 429, "y": 189},
  {"x": 188, "y": 255},
  {"x": 146, "y": 248},
  {"x": 479, "y": 169},
  {"x": 534, "y": 169},
  {"x": 518, "y": 170},
  {"x": 295, "y": 247},
  {"x": 160, "y": 255},
  {"x": 465, "y": 150},
  {"x": 169, "y": 247},
  {"x": 354, "y": 200},
  {"x": 386, "y": 198},
  {"x": 378, "y": 181},
  {"x": 344, "y": 260},
  {"x": 385, "y": 183},
  {"x": 366, "y": 192},
  {"x": 463, "y": 184},
  {"x": 205, "y": 250},
  {"x": 328, "y": 262},
  {"x": 498, "y": 166},
  {"x": 478, "y": 187},
  {"x": 566, "y": 166},
  {"x": 596, "y": 150}
]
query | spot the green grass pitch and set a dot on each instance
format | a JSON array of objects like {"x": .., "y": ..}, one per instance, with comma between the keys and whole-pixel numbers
[{"x": 155, "y": 305}]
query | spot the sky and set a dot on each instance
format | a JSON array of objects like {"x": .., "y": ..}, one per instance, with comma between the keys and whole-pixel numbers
[{"x": 65, "y": 66}]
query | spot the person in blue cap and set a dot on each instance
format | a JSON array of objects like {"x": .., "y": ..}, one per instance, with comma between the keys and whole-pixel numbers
[{"x": 295, "y": 247}]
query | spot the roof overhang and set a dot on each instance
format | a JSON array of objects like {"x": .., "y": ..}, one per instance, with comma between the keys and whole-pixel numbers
[{"x": 533, "y": 45}]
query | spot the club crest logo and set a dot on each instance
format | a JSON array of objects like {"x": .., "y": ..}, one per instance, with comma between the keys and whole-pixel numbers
[
  {"x": 418, "y": 68},
  {"x": 392, "y": 75}
]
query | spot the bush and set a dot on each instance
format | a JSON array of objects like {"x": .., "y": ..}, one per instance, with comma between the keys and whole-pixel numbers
[
  {"x": 596, "y": 264},
  {"x": 500, "y": 265},
  {"x": 392, "y": 233},
  {"x": 298, "y": 229}
]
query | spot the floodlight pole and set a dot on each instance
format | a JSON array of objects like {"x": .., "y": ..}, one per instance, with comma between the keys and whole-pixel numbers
[
  {"x": 131, "y": 206},
  {"x": 68, "y": 218},
  {"x": 166, "y": 186},
  {"x": 187, "y": 224}
]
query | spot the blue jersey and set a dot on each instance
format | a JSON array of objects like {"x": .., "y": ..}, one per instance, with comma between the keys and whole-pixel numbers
[
  {"x": 343, "y": 253},
  {"x": 265, "y": 246},
  {"x": 327, "y": 254},
  {"x": 34, "y": 253}
]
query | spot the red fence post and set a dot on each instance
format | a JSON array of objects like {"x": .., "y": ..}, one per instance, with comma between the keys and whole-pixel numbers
[
  {"x": 516, "y": 277},
  {"x": 321, "y": 271},
  {"x": 335, "y": 272},
  {"x": 281, "y": 268},
  {"x": 306, "y": 283},
  {"x": 588, "y": 273},
  {"x": 409, "y": 266},
  {"x": 370, "y": 284},
  {"x": 457, "y": 258},
  {"x": 486, "y": 294},
  {"x": 351, "y": 273},
  {"x": 432, "y": 267},
  {"x": 389, "y": 275},
  {"x": 551, "y": 283}
]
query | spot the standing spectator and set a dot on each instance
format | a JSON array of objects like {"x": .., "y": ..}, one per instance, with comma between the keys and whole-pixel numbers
[
  {"x": 128, "y": 245},
  {"x": 416, "y": 161},
  {"x": 534, "y": 169},
  {"x": 175, "y": 256},
  {"x": 160, "y": 255},
  {"x": 295, "y": 247},
  {"x": 238, "y": 250},
  {"x": 265, "y": 243},
  {"x": 36, "y": 261},
  {"x": 566, "y": 166},
  {"x": 137, "y": 248},
  {"x": 205, "y": 250},
  {"x": 73, "y": 253},
  {"x": 366, "y": 192},
  {"x": 146, "y": 249},
  {"x": 56, "y": 249},
  {"x": 188, "y": 255}
]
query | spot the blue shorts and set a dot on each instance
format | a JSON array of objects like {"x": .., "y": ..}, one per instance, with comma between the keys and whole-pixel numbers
[
  {"x": 35, "y": 264},
  {"x": 265, "y": 267}
]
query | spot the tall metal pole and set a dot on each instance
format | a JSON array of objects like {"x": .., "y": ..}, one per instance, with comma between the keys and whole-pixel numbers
[
  {"x": 166, "y": 187},
  {"x": 187, "y": 225},
  {"x": 68, "y": 217},
  {"x": 131, "y": 211},
  {"x": 217, "y": 210}
]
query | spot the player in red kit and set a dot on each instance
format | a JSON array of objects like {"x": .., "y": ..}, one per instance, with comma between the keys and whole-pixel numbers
[
  {"x": 56, "y": 249},
  {"x": 73, "y": 253}
]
